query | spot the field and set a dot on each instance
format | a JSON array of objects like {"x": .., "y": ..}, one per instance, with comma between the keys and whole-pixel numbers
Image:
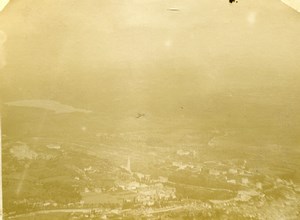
[{"x": 93, "y": 198}]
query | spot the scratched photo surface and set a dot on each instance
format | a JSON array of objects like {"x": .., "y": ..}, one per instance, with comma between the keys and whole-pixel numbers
[{"x": 150, "y": 109}]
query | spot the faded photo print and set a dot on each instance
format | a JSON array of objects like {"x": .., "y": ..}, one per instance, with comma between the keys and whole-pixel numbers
[{"x": 150, "y": 109}]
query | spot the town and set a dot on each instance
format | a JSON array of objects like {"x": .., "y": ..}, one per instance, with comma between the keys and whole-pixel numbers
[{"x": 177, "y": 183}]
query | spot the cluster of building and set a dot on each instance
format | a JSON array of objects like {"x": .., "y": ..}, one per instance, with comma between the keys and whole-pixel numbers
[
  {"x": 155, "y": 193},
  {"x": 148, "y": 190},
  {"x": 226, "y": 172}
]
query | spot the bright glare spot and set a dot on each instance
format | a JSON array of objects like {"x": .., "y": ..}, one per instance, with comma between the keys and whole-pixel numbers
[
  {"x": 168, "y": 43},
  {"x": 3, "y": 3},
  {"x": 83, "y": 128},
  {"x": 2, "y": 55},
  {"x": 251, "y": 18},
  {"x": 295, "y": 4}
]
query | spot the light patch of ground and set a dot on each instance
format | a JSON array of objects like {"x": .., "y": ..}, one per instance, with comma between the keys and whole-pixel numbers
[
  {"x": 22, "y": 151},
  {"x": 92, "y": 197}
]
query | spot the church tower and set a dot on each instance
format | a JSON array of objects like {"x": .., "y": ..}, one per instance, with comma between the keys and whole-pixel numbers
[{"x": 128, "y": 167}]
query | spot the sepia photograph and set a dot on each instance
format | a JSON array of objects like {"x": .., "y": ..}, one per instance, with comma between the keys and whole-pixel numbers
[{"x": 150, "y": 109}]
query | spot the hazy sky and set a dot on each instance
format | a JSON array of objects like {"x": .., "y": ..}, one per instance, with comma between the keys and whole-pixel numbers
[{"x": 121, "y": 57}]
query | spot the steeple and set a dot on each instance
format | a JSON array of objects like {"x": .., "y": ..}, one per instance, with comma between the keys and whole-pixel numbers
[{"x": 128, "y": 167}]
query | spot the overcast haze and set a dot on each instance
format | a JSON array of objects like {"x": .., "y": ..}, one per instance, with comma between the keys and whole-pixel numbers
[
  {"x": 150, "y": 109},
  {"x": 232, "y": 66}
]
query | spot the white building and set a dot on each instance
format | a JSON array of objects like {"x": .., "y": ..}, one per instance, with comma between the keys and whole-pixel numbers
[{"x": 245, "y": 181}]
